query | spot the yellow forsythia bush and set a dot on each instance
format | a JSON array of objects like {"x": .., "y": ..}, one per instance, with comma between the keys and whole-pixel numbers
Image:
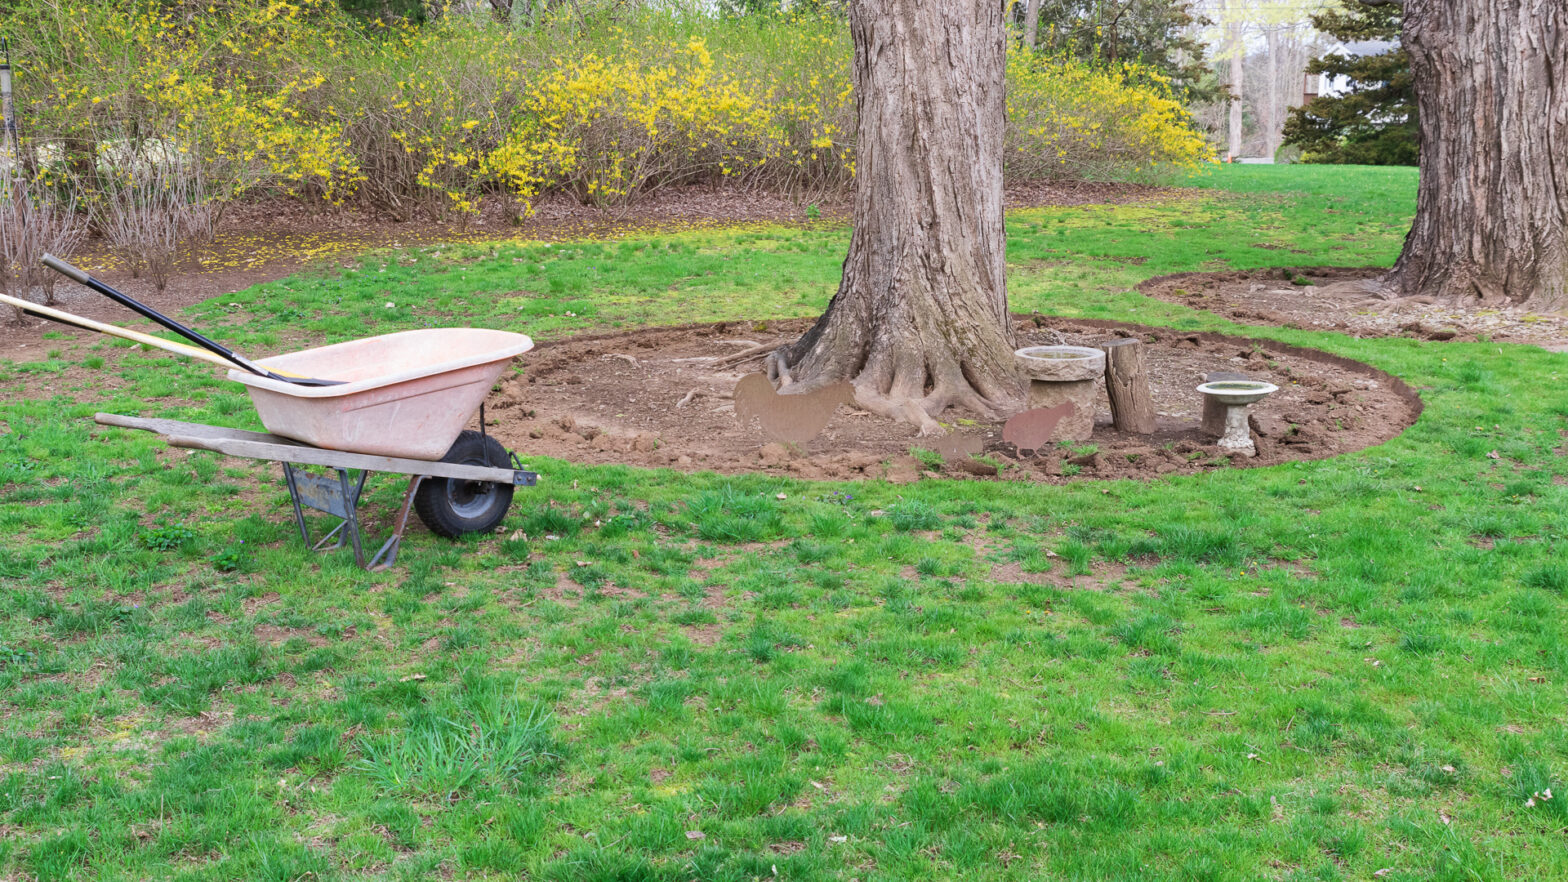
[
  {"x": 98, "y": 81},
  {"x": 296, "y": 96},
  {"x": 422, "y": 108},
  {"x": 606, "y": 129},
  {"x": 1069, "y": 120}
]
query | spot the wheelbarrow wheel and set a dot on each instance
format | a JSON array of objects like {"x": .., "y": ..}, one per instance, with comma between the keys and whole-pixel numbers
[{"x": 453, "y": 507}]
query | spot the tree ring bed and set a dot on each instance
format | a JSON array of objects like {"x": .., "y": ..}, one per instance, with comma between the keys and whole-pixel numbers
[
  {"x": 1343, "y": 299},
  {"x": 662, "y": 398}
]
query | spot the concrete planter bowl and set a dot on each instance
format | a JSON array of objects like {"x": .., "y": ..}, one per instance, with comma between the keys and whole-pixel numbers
[{"x": 1059, "y": 374}]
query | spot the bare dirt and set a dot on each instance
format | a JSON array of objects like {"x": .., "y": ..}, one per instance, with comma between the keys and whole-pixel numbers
[
  {"x": 664, "y": 397},
  {"x": 1330, "y": 299}
]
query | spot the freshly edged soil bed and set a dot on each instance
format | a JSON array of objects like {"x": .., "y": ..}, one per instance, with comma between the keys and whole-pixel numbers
[
  {"x": 663, "y": 398},
  {"x": 1325, "y": 299}
]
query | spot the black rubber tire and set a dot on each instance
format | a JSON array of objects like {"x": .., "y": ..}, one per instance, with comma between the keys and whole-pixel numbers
[{"x": 453, "y": 507}]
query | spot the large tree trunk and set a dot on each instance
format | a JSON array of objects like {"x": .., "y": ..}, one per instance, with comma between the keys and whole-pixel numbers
[
  {"x": 1491, "y": 83},
  {"x": 920, "y": 319}
]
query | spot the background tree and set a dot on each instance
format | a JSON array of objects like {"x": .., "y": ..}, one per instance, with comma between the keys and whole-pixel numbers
[
  {"x": 774, "y": 7},
  {"x": 386, "y": 10},
  {"x": 920, "y": 319},
  {"x": 1235, "y": 52},
  {"x": 1374, "y": 122},
  {"x": 1492, "y": 208},
  {"x": 1160, "y": 35},
  {"x": 1263, "y": 47},
  {"x": 1288, "y": 38},
  {"x": 1031, "y": 13}
]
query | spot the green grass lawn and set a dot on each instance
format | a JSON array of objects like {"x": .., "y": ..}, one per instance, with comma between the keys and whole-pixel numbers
[{"x": 1322, "y": 670}]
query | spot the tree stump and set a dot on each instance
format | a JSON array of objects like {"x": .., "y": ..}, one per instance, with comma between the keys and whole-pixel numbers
[
  {"x": 1214, "y": 412},
  {"x": 1127, "y": 385}
]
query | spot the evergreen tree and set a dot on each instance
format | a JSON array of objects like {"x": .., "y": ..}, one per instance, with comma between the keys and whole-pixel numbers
[{"x": 1375, "y": 122}]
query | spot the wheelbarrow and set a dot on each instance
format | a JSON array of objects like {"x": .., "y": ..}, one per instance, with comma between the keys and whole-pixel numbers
[{"x": 400, "y": 407}]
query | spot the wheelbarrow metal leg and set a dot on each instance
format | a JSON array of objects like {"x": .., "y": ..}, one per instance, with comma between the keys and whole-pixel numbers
[
  {"x": 299, "y": 514},
  {"x": 338, "y": 498},
  {"x": 351, "y": 513},
  {"x": 387, "y": 556}
]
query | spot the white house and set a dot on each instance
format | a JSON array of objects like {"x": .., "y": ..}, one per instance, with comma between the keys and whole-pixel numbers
[{"x": 1335, "y": 86}]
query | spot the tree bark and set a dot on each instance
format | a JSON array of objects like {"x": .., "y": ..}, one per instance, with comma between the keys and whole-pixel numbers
[
  {"x": 1491, "y": 83},
  {"x": 920, "y": 319},
  {"x": 1032, "y": 23}
]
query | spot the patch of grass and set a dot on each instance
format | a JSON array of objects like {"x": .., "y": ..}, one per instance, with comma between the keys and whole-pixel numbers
[
  {"x": 914, "y": 515},
  {"x": 929, "y": 459},
  {"x": 481, "y": 738},
  {"x": 1551, "y": 577}
]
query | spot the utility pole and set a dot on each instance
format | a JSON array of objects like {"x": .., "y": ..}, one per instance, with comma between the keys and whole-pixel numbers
[{"x": 7, "y": 106}]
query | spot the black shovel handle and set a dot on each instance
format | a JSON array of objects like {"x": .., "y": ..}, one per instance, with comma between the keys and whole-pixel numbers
[
  {"x": 143, "y": 309},
  {"x": 129, "y": 302}
]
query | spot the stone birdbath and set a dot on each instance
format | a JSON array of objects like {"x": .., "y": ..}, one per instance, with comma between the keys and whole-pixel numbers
[
  {"x": 1237, "y": 396},
  {"x": 1061, "y": 374}
]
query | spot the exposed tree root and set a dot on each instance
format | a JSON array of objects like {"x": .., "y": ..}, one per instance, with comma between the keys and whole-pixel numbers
[
  {"x": 739, "y": 358},
  {"x": 1389, "y": 293},
  {"x": 914, "y": 392}
]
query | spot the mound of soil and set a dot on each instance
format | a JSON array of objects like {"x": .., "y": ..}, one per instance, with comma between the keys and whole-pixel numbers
[
  {"x": 1326, "y": 299},
  {"x": 663, "y": 397}
]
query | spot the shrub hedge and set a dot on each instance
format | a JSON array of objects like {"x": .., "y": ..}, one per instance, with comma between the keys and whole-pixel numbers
[{"x": 300, "y": 97}]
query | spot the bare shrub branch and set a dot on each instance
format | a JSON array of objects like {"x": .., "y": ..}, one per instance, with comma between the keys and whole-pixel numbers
[
  {"x": 34, "y": 221},
  {"x": 155, "y": 200}
]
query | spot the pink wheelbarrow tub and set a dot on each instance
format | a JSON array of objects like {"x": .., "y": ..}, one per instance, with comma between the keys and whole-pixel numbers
[{"x": 406, "y": 395}]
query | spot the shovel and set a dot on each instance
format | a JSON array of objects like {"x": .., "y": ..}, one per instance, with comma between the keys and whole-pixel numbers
[{"x": 143, "y": 309}]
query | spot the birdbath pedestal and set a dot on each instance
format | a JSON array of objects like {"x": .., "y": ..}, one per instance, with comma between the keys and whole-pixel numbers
[
  {"x": 1237, "y": 396},
  {"x": 1059, "y": 374}
]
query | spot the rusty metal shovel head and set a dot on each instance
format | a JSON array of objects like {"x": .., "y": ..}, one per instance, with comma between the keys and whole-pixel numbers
[{"x": 792, "y": 417}]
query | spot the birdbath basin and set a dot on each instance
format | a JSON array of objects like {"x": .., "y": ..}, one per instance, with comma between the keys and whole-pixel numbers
[
  {"x": 1060, "y": 374},
  {"x": 1237, "y": 396}
]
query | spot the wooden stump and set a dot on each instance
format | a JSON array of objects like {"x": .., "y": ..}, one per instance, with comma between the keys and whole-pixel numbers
[
  {"x": 1127, "y": 385},
  {"x": 1214, "y": 412}
]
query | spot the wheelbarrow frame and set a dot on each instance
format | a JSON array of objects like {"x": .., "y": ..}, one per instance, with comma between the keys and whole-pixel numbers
[{"x": 338, "y": 497}]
